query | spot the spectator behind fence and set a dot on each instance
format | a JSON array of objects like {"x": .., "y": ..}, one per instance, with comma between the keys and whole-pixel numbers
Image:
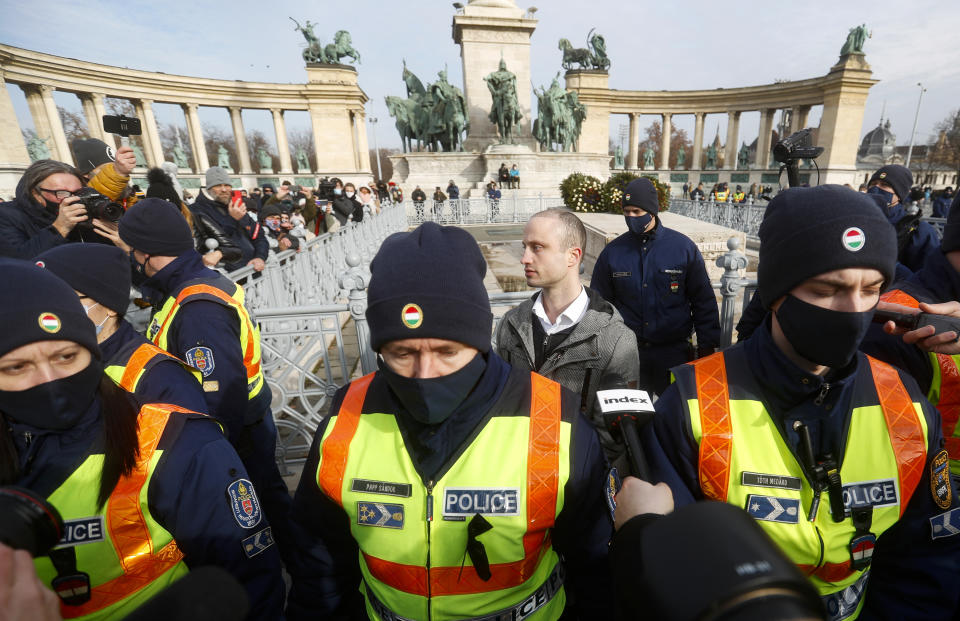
[
  {"x": 161, "y": 186},
  {"x": 697, "y": 193},
  {"x": 419, "y": 197},
  {"x": 566, "y": 331},
  {"x": 368, "y": 202},
  {"x": 346, "y": 207},
  {"x": 515, "y": 177},
  {"x": 941, "y": 204},
  {"x": 916, "y": 240},
  {"x": 46, "y": 213},
  {"x": 280, "y": 239},
  {"x": 240, "y": 240},
  {"x": 438, "y": 199},
  {"x": 503, "y": 175}
]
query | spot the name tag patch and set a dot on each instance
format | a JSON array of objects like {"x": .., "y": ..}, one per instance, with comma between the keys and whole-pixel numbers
[
  {"x": 772, "y": 509},
  {"x": 403, "y": 490},
  {"x": 381, "y": 514},
  {"x": 80, "y": 531},
  {"x": 945, "y": 525},
  {"x": 201, "y": 359},
  {"x": 880, "y": 493},
  {"x": 257, "y": 542},
  {"x": 467, "y": 501},
  {"x": 244, "y": 502},
  {"x": 779, "y": 481},
  {"x": 622, "y": 274}
]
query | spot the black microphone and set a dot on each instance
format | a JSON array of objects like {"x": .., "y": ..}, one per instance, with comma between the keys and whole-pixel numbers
[
  {"x": 205, "y": 593},
  {"x": 625, "y": 409}
]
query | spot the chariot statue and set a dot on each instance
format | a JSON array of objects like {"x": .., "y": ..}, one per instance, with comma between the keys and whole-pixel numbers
[
  {"x": 594, "y": 56},
  {"x": 316, "y": 52}
]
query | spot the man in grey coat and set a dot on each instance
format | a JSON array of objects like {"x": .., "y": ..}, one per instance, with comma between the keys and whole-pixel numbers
[{"x": 566, "y": 331}]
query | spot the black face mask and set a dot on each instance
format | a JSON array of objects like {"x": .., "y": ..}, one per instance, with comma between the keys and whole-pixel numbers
[
  {"x": 821, "y": 335},
  {"x": 432, "y": 400},
  {"x": 56, "y": 405},
  {"x": 886, "y": 196},
  {"x": 638, "y": 224}
]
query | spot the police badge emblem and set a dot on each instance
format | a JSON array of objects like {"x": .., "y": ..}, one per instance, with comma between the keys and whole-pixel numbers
[
  {"x": 244, "y": 502},
  {"x": 201, "y": 359},
  {"x": 940, "y": 487}
]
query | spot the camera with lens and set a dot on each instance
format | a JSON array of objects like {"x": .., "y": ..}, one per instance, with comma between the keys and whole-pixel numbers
[
  {"x": 795, "y": 147},
  {"x": 28, "y": 522},
  {"x": 98, "y": 205},
  {"x": 325, "y": 187}
]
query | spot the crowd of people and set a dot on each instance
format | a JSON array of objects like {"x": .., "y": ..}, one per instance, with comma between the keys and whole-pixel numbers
[{"x": 476, "y": 473}]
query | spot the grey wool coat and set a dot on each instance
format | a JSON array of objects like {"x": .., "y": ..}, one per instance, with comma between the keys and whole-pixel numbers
[{"x": 600, "y": 353}]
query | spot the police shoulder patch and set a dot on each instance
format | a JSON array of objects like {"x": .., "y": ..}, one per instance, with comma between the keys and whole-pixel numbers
[
  {"x": 610, "y": 489},
  {"x": 945, "y": 525},
  {"x": 257, "y": 542},
  {"x": 773, "y": 509},
  {"x": 244, "y": 502},
  {"x": 201, "y": 359},
  {"x": 940, "y": 487}
]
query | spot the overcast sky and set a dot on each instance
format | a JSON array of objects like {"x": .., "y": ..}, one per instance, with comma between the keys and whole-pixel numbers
[{"x": 672, "y": 45}]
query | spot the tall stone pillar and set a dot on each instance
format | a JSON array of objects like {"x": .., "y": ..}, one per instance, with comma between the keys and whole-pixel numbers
[
  {"x": 844, "y": 97},
  {"x": 487, "y": 31},
  {"x": 93, "y": 111},
  {"x": 633, "y": 157},
  {"x": 733, "y": 137},
  {"x": 666, "y": 129},
  {"x": 332, "y": 94},
  {"x": 240, "y": 139},
  {"x": 697, "y": 141},
  {"x": 763, "y": 138},
  {"x": 150, "y": 136},
  {"x": 794, "y": 121},
  {"x": 13, "y": 151},
  {"x": 195, "y": 132},
  {"x": 286, "y": 165},
  {"x": 56, "y": 125},
  {"x": 803, "y": 115},
  {"x": 363, "y": 150}
]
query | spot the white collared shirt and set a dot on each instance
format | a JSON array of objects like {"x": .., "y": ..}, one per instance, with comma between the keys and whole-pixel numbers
[{"x": 570, "y": 316}]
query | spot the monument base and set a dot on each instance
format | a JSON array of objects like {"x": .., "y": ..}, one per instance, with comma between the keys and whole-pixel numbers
[{"x": 540, "y": 173}]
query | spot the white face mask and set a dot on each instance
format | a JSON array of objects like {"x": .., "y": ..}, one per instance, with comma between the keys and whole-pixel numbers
[
  {"x": 98, "y": 326},
  {"x": 349, "y": 194}
]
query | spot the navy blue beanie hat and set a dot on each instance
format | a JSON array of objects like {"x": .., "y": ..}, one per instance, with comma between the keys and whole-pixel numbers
[
  {"x": 897, "y": 177},
  {"x": 98, "y": 271},
  {"x": 156, "y": 227},
  {"x": 35, "y": 305},
  {"x": 428, "y": 283},
  {"x": 811, "y": 231},
  {"x": 641, "y": 193}
]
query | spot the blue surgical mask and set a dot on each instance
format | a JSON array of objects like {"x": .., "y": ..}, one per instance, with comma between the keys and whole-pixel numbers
[
  {"x": 638, "y": 224},
  {"x": 337, "y": 191},
  {"x": 886, "y": 196},
  {"x": 99, "y": 326}
]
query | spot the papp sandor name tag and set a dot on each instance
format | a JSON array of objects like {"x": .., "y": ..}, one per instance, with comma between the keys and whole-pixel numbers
[{"x": 368, "y": 486}]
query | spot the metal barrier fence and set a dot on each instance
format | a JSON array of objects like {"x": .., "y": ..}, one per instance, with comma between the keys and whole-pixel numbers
[{"x": 510, "y": 208}]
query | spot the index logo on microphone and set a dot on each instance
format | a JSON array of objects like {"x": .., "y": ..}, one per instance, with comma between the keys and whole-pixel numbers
[{"x": 624, "y": 400}]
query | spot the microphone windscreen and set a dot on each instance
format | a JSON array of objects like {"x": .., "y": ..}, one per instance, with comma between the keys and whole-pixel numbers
[{"x": 205, "y": 593}]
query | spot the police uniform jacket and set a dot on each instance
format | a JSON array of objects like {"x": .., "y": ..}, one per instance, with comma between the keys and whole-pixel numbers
[
  {"x": 215, "y": 329},
  {"x": 913, "y": 575},
  {"x": 167, "y": 381},
  {"x": 660, "y": 286},
  {"x": 325, "y": 584},
  {"x": 187, "y": 496},
  {"x": 245, "y": 234}
]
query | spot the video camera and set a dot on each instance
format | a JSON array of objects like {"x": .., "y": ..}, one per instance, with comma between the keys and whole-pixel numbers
[
  {"x": 28, "y": 522},
  {"x": 795, "y": 147},
  {"x": 325, "y": 187},
  {"x": 98, "y": 205}
]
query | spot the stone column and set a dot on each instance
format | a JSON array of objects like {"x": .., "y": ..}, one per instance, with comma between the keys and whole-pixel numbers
[
  {"x": 46, "y": 121},
  {"x": 13, "y": 151},
  {"x": 794, "y": 121},
  {"x": 763, "y": 139},
  {"x": 633, "y": 158},
  {"x": 286, "y": 165},
  {"x": 150, "y": 138},
  {"x": 363, "y": 149},
  {"x": 733, "y": 137},
  {"x": 803, "y": 114},
  {"x": 240, "y": 139},
  {"x": 844, "y": 96},
  {"x": 195, "y": 132},
  {"x": 697, "y": 141},
  {"x": 666, "y": 129},
  {"x": 93, "y": 111}
]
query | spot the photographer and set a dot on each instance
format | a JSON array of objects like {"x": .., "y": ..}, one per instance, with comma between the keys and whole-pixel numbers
[
  {"x": 240, "y": 240},
  {"x": 47, "y": 212}
]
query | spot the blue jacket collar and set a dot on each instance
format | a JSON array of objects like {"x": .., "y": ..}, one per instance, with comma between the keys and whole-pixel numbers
[
  {"x": 187, "y": 266},
  {"x": 123, "y": 335}
]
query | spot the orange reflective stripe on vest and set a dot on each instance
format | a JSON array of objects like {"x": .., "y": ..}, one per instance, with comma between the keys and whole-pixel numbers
[
  {"x": 543, "y": 475},
  {"x": 140, "y": 358},
  {"x": 717, "y": 434},
  {"x": 128, "y": 528},
  {"x": 949, "y": 401},
  {"x": 248, "y": 354}
]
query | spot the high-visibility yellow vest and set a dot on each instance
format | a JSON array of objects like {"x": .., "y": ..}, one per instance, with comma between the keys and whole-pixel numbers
[
  {"x": 221, "y": 290},
  {"x": 744, "y": 460},
  {"x": 128, "y": 367},
  {"x": 412, "y": 537},
  {"x": 721, "y": 196},
  {"x": 944, "y": 390},
  {"x": 738, "y": 197},
  {"x": 127, "y": 554}
]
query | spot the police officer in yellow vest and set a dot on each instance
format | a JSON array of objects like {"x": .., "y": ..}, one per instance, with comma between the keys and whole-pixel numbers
[
  {"x": 201, "y": 319},
  {"x": 837, "y": 455},
  {"x": 448, "y": 485},
  {"x": 100, "y": 275},
  {"x": 933, "y": 362},
  {"x": 145, "y": 495}
]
